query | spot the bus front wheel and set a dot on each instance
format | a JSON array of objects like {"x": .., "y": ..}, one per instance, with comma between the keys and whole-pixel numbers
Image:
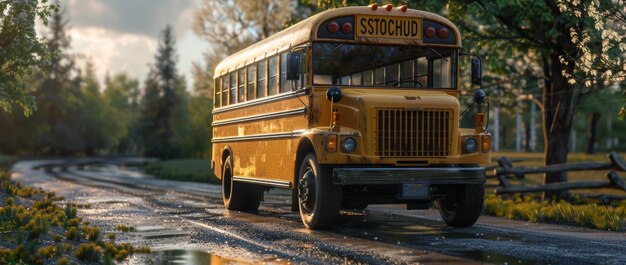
[
  {"x": 236, "y": 195},
  {"x": 318, "y": 199},
  {"x": 462, "y": 205}
]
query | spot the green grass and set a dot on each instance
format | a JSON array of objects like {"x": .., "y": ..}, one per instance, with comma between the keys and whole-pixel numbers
[
  {"x": 583, "y": 212},
  {"x": 6, "y": 162},
  {"x": 197, "y": 170}
]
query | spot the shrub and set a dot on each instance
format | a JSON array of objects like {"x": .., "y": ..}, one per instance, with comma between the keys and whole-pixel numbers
[{"x": 88, "y": 252}]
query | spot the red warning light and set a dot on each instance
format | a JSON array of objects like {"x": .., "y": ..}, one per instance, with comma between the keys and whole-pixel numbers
[
  {"x": 333, "y": 27},
  {"x": 346, "y": 28},
  {"x": 443, "y": 33},
  {"x": 389, "y": 7},
  {"x": 430, "y": 32},
  {"x": 404, "y": 8},
  {"x": 374, "y": 6}
]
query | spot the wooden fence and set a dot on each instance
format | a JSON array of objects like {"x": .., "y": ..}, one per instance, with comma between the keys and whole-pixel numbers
[{"x": 505, "y": 171}]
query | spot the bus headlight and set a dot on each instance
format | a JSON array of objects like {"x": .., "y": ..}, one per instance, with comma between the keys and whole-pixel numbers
[
  {"x": 469, "y": 145},
  {"x": 348, "y": 145}
]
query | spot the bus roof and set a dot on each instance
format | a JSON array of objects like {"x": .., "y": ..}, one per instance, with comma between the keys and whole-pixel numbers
[{"x": 306, "y": 31}]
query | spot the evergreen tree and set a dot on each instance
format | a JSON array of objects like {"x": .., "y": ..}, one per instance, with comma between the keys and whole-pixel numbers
[
  {"x": 58, "y": 96},
  {"x": 122, "y": 99},
  {"x": 162, "y": 102}
]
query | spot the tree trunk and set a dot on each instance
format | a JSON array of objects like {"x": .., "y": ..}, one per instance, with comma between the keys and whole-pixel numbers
[
  {"x": 558, "y": 115},
  {"x": 593, "y": 137}
]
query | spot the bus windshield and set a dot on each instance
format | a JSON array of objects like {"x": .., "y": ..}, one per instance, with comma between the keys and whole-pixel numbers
[{"x": 383, "y": 65}]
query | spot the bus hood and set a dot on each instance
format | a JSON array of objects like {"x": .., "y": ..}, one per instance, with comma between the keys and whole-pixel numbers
[{"x": 369, "y": 99}]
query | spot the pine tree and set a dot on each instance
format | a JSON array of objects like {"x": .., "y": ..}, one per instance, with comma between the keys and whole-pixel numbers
[{"x": 162, "y": 103}]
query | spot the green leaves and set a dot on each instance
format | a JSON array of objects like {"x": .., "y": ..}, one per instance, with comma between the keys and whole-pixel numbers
[{"x": 20, "y": 50}]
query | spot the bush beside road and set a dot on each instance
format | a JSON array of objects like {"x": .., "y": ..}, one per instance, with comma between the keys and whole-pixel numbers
[
  {"x": 36, "y": 228},
  {"x": 191, "y": 169}
]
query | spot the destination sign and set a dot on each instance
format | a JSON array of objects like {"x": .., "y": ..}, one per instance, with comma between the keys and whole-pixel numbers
[{"x": 388, "y": 27}]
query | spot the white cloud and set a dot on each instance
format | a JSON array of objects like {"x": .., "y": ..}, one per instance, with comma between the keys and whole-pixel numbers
[{"x": 114, "y": 52}]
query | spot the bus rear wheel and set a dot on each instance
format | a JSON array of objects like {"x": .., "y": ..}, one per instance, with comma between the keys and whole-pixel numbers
[
  {"x": 236, "y": 195},
  {"x": 462, "y": 205},
  {"x": 318, "y": 199}
]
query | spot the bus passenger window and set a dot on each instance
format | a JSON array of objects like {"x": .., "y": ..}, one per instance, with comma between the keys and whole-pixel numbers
[
  {"x": 285, "y": 86},
  {"x": 261, "y": 84},
  {"x": 356, "y": 79},
  {"x": 218, "y": 93},
  {"x": 273, "y": 76},
  {"x": 241, "y": 82},
  {"x": 391, "y": 74},
  {"x": 225, "y": 90},
  {"x": 368, "y": 78},
  {"x": 323, "y": 79},
  {"x": 251, "y": 78},
  {"x": 233, "y": 88},
  {"x": 379, "y": 76}
]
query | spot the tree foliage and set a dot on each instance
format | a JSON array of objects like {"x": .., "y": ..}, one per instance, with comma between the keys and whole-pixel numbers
[
  {"x": 163, "y": 110},
  {"x": 21, "y": 50}
]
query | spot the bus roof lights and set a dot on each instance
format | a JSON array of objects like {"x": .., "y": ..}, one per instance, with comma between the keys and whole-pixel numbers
[
  {"x": 430, "y": 32},
  {"x": 403, "y": 8},
  {"x": 374, "y": 6},
  {"x": 333, "y": 27},
  {"x": 389, "y": 7},
  {"x": 346, "y": 28},
  {"x": 442, "y": 33}
]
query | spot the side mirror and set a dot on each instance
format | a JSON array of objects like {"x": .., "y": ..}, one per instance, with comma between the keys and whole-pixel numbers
[
  {"x": 479, "y": 96},
  {"x": 477, "y": 72},
  {"x": 334, "y": 94},
  {"x": 294, "y": 65}
]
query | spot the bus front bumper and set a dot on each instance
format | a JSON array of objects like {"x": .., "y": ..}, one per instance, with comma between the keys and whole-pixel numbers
[{"x": 381, "y": 176}]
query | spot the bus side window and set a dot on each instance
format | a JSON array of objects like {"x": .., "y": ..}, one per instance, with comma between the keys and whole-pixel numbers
[
  {"x": 284, "y": 84},
  {"x": 421, "y": 73},
  {"x": 273, "y": 76},
  {"x": 251, "y": 80},
  {"x": 241, "y": 82},
  {"x": 225, "y": 90},
  {"x": 233, "y": 88},
  {"x": 261, "y": 84},
  {"x": 218, "y": 92}
]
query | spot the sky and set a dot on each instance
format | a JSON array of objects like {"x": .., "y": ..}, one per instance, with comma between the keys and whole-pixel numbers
[{"x": 120, "y": 36}]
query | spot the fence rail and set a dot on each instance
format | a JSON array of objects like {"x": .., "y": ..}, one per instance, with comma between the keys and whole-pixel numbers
[{"x": 505, "y": 171}]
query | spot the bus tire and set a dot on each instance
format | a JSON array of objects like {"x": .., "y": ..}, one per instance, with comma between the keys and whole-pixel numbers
[
  {"x": 318, "y": 199},
  {"x": 236, "y": 195},
  {"x": 463, "y": 204}
]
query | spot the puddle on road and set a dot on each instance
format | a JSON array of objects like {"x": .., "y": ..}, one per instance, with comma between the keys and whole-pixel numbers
[{"x": 199, "y": 257}]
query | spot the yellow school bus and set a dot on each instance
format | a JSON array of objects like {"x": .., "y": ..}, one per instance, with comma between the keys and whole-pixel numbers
[{"x": 350, "y": 107}]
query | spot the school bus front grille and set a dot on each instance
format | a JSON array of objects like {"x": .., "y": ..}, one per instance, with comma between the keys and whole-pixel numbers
[{"x": 413, "y": 133}]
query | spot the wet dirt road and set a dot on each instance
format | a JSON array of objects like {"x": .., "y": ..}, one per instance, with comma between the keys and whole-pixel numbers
[{"x": 185, "y": 223}]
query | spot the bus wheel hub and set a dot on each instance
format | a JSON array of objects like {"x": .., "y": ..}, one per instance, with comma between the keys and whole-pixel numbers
[{"x": 306, "y": 191}]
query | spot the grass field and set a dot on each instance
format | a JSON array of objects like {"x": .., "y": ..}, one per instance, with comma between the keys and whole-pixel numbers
[{"x": 190, "y": 169}]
